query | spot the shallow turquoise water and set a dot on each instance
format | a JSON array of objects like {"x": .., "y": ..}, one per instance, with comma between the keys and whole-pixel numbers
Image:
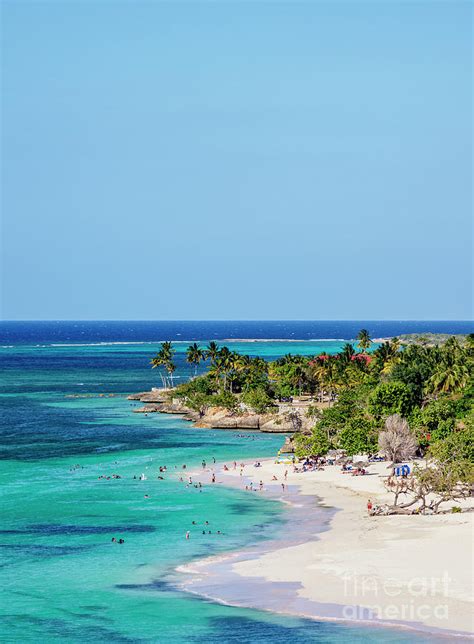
[{"x": 62, "y": 578}]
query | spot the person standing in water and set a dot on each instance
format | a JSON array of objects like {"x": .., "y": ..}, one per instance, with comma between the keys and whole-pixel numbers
[{"x": 187, "y": 534}]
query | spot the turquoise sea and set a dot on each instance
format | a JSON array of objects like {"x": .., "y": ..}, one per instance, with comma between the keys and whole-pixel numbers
[{"x": 65, "y": 422}]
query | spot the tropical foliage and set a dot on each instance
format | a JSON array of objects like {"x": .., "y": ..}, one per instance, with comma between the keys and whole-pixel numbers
[{"x": 400, "y": 398}]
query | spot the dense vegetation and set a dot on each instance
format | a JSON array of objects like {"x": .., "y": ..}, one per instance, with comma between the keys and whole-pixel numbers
[{"x": 429, "y": 389}]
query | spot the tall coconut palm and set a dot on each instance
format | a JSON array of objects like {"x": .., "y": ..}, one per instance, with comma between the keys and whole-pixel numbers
[
  {"x": 319, "y": 375},
  {"x": 226, "y": 362},
  {"x": 194, "y": 355},
  {"x": 215, "y": 371},
  {"x": 364, "y": 340},
  {"x": 171, "y": 368},
  {"x": 212, "y": 351},
  {"x": 243, "y": 365},
  {"x": 168, "y": 350},
  {"x": 159, "y": 361},
  {"x": 164, "y": 358}
]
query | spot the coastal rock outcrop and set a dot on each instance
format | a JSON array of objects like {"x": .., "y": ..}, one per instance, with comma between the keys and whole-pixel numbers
[{"x": 281, "y": 422}]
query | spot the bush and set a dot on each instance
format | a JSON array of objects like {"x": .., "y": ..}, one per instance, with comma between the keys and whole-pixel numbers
[
  {"x": 201, "y": 402},
  {"x": 258, "y": 400},
  {"x": 226, "y": 400},
  {"x": 201, "y": 385},
  {"x": 458, "y": 445},
  {"x": 358, "y": 436},
  {"x": 316, "y": 444}
]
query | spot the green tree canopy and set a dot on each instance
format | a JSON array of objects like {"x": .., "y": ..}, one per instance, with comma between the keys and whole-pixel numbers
[{"x": 390, "y": 398}]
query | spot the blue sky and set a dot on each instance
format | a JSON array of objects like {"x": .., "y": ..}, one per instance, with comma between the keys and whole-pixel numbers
[{"x": 247, "y": 160}]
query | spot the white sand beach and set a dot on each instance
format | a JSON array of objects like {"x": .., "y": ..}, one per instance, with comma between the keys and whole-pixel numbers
[{"x": 395, "y": 569}]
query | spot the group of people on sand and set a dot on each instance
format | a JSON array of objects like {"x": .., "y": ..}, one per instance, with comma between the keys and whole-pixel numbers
[{"x": 309, "y": 465}]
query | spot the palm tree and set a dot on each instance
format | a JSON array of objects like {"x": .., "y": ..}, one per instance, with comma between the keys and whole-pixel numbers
[
  {"x": 171, "y": 368},
  {"x": 226, "y": 362},
  {"x": 164, "y": 358},
  {"x": 347, "y": 352},
  {"x": 159, "y": 361},
  {"x": 243, "y": 365},
  {"x": 364, "y": 340},
  {"x": 387, "y": 355},
  {"x": 212, "y": 351},
  {"x": 215, "y": 371},
  {"x": 194, "y": 355},
  {"x": 448, "y": 378},
  {"x": 298, "y": 377},
  {"x": 167, "y": 348}
]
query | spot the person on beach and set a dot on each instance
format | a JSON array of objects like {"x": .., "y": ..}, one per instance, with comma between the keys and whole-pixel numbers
[
  {"x": 274, "y": 478},
  {"x": 369, "y": 506},
  {"x": 286, "y": 474}
]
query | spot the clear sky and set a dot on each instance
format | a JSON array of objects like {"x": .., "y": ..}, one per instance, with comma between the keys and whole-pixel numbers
[{"x": 237, "y": 160}]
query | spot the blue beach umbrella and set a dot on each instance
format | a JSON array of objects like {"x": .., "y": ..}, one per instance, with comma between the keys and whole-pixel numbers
[{"x": 402, "y": 470}]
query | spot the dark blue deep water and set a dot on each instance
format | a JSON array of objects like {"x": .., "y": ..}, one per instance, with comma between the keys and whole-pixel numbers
[{"x": 137, "y": 331}]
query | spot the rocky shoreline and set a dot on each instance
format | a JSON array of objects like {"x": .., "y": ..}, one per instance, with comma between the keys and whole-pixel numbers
[{"x": 286, "y": 420}]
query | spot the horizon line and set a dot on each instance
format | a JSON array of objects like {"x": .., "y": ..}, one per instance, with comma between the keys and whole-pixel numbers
[{"x": 237, "y": 320}]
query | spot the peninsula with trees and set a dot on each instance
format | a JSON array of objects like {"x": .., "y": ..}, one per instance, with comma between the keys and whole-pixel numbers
[{"x": 402, "y": 400}]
